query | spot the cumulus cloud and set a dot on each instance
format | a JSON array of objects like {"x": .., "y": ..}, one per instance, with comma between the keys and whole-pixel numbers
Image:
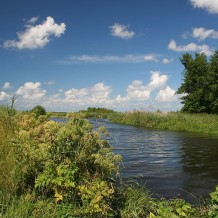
[
  {"x": 31, "y": 91},
  {"x": 191, "y": 47},
  {"x": 137, "y": 91},
  {"x": 94, "y": 59},
  {"x": 157, "y": 80},
  {"x": 210, "y": 5},
  {"x": 167, "y": 94},
  {"x": 75, "y": 95},
  {"x": 99, "y": 93},
  {"x": 121, "y": 31},
  {"x": 4, "y": 96},
  {"x": 7, "y": 85},
  {"x": 36, "y": 36},
  {"x": 202, "y": 33},
  {"x": 139, "y": 94}
]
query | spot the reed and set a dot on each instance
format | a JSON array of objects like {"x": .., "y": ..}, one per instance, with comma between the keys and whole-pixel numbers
[{"x": 176, "y": 121}]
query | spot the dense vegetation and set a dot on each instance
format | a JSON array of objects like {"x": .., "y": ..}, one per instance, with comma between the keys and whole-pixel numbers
[
  {"x": 200, "y": 86},
  {"x": 177, "y": 121},
  {"x": 57, "y": 114},
  {"x": 49, "y": 169},
  {"x": 93, "y": 112}
]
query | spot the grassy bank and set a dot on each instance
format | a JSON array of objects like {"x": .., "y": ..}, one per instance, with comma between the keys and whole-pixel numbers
[
  {"x": 129, "y": 203},
  {"x": 50, "y": 169},
  {"x": 176, "y": 121},
  {"x": 57, "y": 114}
]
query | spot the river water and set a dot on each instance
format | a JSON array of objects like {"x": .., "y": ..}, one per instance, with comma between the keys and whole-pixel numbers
[{"x": 170, "y": 164}]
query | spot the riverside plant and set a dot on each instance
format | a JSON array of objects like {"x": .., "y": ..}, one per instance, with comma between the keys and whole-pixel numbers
[
  {"x": 51, "y": 169},
  {"x": 176, "y": 121}
]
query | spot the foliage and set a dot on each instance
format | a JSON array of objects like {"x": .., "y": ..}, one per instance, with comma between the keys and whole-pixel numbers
[
  {"x": 93, "y": 112},
  {"x": 79, "y": 167},
  {"x": 200, "y": 86},
  {"x": 202, "y": 123},
  {"x": 38, "y": 110},
  {"x": 213, "y": 208}
]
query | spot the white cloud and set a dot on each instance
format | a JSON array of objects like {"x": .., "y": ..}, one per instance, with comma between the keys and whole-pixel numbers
[
  {"x": 31, "y": 91},
  {"x": 167, "y": 94},
  {"x": 120, "y": 99},
  {"x": 167, "y": 61},
  {"x": 99, "y": 93},
  {"x": 202, "y": 33},
  {"x": 37, "y": 36},
  {"x": 137, "y": 91},
  {"x": 210, "y": 5},
  {"x": 32, "y": 20},
  {"x": 93, "y": 59},
  {"x": 121, "y": 31},
  {"x": 4, "y": 96},
  {"x": 150, "y": 58},
  {"x": 74, "y": 95},
  {"x": 138, "y": 95},
  {"x": 191, "y": 47},
  {"x": 7, "y": 85},
  {"x": 157, "y": 80}
]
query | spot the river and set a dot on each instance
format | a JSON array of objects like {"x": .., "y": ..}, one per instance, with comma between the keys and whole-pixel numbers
[{"x": 170, "y": 164}]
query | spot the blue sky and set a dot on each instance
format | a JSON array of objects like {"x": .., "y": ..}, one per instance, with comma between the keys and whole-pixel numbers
[{"x": 124, "y": 54}]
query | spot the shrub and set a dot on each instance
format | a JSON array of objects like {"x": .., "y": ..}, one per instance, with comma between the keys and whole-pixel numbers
[{"x": 79, "y": 169}]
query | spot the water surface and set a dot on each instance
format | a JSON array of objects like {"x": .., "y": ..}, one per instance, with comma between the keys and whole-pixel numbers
[{"x": 170, "y": 164}]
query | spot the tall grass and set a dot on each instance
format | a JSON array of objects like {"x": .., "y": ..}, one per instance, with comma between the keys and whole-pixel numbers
[{"x": 176, "y": 121}]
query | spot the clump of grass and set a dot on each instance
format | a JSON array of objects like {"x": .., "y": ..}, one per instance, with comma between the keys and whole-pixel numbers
[{"x": 176, "y": 121}]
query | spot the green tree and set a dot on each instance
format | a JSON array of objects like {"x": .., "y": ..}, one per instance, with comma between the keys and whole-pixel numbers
[
  {"x": 200, "y": 86},
  {"x": 213, "y": 80},
  {"x": 39, "y": 110}
]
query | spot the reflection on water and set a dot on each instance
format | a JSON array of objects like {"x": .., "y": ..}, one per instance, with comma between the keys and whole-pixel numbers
[{"x": 171, "y": 164}]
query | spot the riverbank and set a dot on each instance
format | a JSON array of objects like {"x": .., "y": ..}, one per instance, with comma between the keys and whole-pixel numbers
[
  {"x": 51, "y": 169},
  {"x": 175, "y": 121}
]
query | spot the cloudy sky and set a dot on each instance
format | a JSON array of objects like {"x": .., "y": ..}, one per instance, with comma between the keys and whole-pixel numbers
[{"x": 120, "y": 54}]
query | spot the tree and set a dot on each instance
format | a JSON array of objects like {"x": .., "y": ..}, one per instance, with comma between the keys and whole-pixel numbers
[
  {"x": 200, "y": 86},
  {"x": 39, "y": 110}
]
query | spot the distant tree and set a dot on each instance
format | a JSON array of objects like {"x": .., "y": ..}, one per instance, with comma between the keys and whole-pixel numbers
[
  {"x": 200, "y": 86},
  {"x": 39, "y": 110}
]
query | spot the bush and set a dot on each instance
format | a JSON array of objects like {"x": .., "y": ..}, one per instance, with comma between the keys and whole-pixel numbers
[{"x": 79, "y": 169}]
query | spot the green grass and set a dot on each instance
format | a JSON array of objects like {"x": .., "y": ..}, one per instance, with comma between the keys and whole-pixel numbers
[
  {"x": 176, "y": 121},
  {"x": 131, "y": 203}
]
